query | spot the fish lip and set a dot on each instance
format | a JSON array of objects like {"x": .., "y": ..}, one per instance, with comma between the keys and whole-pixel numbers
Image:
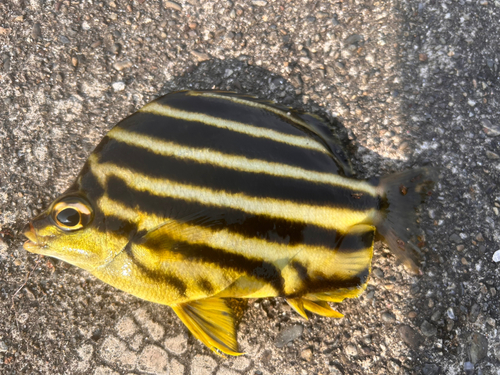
[{"x": 33, "y": 244}]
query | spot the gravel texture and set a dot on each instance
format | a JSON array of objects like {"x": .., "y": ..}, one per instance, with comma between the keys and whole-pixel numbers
[{"x": 407, "y": 83}]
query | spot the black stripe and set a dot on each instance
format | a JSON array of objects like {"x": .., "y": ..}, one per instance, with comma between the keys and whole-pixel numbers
[
  {"x": 157, "y": 276},
  {"x": 231, "y": 111},
  {"x": 326, "y": 284},
  {"x": 200, "y": 135},
  {"x": 233, "y": 181},
  {"x": 89, "y": 184},
  {"x": 257, "y": 268},
  {"x": 248, "y": 225},
  {"x": 357, "y": 241}
]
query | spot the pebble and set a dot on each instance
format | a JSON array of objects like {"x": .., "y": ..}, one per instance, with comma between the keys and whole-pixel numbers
[
  {"x": 153, "y": 360},
  {"x": 490, "y": 129},
  {"x": 63, "y": 39},
  {"x": 468, "y": 368},
  {"x": 478, "y": 348},
  {"x": 259, "y": 3},
  {"x": 428, "y": 329},
  {"x": 200, "y": 56},
  {"x": 491, "y": 155},
  {"x": 37, "y": 31},
  {"x": 378, "y": 273},
  {"x": 203, "y": 365},
  {"x": 3, "y": 347},
  {"x": 411, "y": 337},
  {"x": 120, "y": 65},
  {"x": 353, "y": 39},
  {"x": 288, "y": 335},
  {"x": 450, "y": 314},
  {"x": 388, "y": 317},
  {"x": 118, "y": 86},
  {"x": 351, "y": 350},
  {"x": 177, "y": 344},
  {"x": 431, "y": 369},
  {"x": 172, "y": 5},
  {"x": 496, "y": 256},
  {"x": 455, "y": 238},
  {"x": 306, "y": 354}
]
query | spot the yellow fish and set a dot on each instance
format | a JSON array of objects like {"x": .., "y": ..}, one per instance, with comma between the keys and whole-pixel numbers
[{"x": 201, "y": 196}]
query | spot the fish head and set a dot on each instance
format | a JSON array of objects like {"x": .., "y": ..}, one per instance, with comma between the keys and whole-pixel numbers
[{"x": 70, "y": 230}]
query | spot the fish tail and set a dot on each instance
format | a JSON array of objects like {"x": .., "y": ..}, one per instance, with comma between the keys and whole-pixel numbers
[{"x": 400, "y": 194}]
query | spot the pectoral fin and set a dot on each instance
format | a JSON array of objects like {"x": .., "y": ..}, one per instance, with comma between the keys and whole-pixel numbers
[
  {"x": 211, "y": 321},
  {"x": 322, "y": 308}
]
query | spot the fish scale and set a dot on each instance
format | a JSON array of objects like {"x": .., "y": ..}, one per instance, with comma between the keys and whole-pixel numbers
[{"x": 202, "y": 196}]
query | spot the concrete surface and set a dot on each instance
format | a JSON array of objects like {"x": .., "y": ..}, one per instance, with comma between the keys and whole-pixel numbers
[{"x": 411, "y": 83}]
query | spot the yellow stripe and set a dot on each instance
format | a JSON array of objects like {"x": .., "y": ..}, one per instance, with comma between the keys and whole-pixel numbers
[
  {"x": 251, "y": 103},
  {"x": 315, "y": 258},
  {"x": 239, "y": 163},
  {"x": 294, "y": 140},
  {"x": 340, "y": 219}
]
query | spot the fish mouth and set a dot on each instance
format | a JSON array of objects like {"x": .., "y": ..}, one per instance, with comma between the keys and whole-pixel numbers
[{"x": 33, "y": 245}]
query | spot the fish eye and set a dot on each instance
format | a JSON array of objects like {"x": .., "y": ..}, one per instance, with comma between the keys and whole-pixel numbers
[
  {"x": 69, "y": 217},
  {"x": 72, "y": 213}
]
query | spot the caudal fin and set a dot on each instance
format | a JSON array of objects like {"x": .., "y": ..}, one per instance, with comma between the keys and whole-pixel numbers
[{"x": 401, "y": 193}]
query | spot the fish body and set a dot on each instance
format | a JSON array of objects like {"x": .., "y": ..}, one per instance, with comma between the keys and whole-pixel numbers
[{"x": 200, "y": 196}]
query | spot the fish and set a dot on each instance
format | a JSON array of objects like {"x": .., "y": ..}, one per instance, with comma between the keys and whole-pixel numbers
[{"x": 202, "y": 196}]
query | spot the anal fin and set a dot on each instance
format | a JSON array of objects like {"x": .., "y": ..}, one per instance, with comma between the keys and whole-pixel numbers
[
  {"x": 211, "y": 321},
  {"x": 318, "y": 307}
]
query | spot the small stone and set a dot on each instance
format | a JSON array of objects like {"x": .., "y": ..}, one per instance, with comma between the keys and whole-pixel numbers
[
  {"x": 422, "y": 57},
  {"x": 37, "y": 31},
  {"x": 202, "y": 365},
  {"x": 455, "y": 238},
  {"x": 118, "y": 86},
  {"x": 120, "y": 65},
  {"x": 412, "y": 314},
  {"x": 388, "y": 317},
  {"x": 451, "y": 314},
  {"x": 176, "y": 367},
  {"x": 259, "y": 3},
  {"x": 478, "y": 348},
  {"x": 63, "y": 39},
  {"x": 431, "y": 369},
  {"x": 490, "y": 129},
  {"x": 306, "y": 354},
  {"x": 378, "y": 273},
  {"x": 471, "y": 102},
  {"x": 460, "y": 247},
  {"x": 428, "y": 329},
  {"x": 200, "y": 56},
  {"x": 115, "y": 351},
  {"x": 412, "y": 338},
  {"x": 491, "y": 155},
  {"x": 496, "y": 256},
  {"x": 480, "y": 237},
  {"x": 172, "y": 5},
  {"x": 74, "y": 61},
  {"x": 351, "y": 350},
  {"x": 126, "y": 327},
  {"x": 153, "y": 360},
  {"x": 177, "y": 344},
  {"x": 85, "y": 26},
  {"x": 288, "y": 335},
  {"x": 3, "y": 347},
  {"x": 353, "y": 39},
  {"x": 468, "y": 368},
  {"x": 4, "y": 31}
]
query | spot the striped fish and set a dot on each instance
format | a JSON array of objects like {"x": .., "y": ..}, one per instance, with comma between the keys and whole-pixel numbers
[{"x": 201, "y": 196}]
